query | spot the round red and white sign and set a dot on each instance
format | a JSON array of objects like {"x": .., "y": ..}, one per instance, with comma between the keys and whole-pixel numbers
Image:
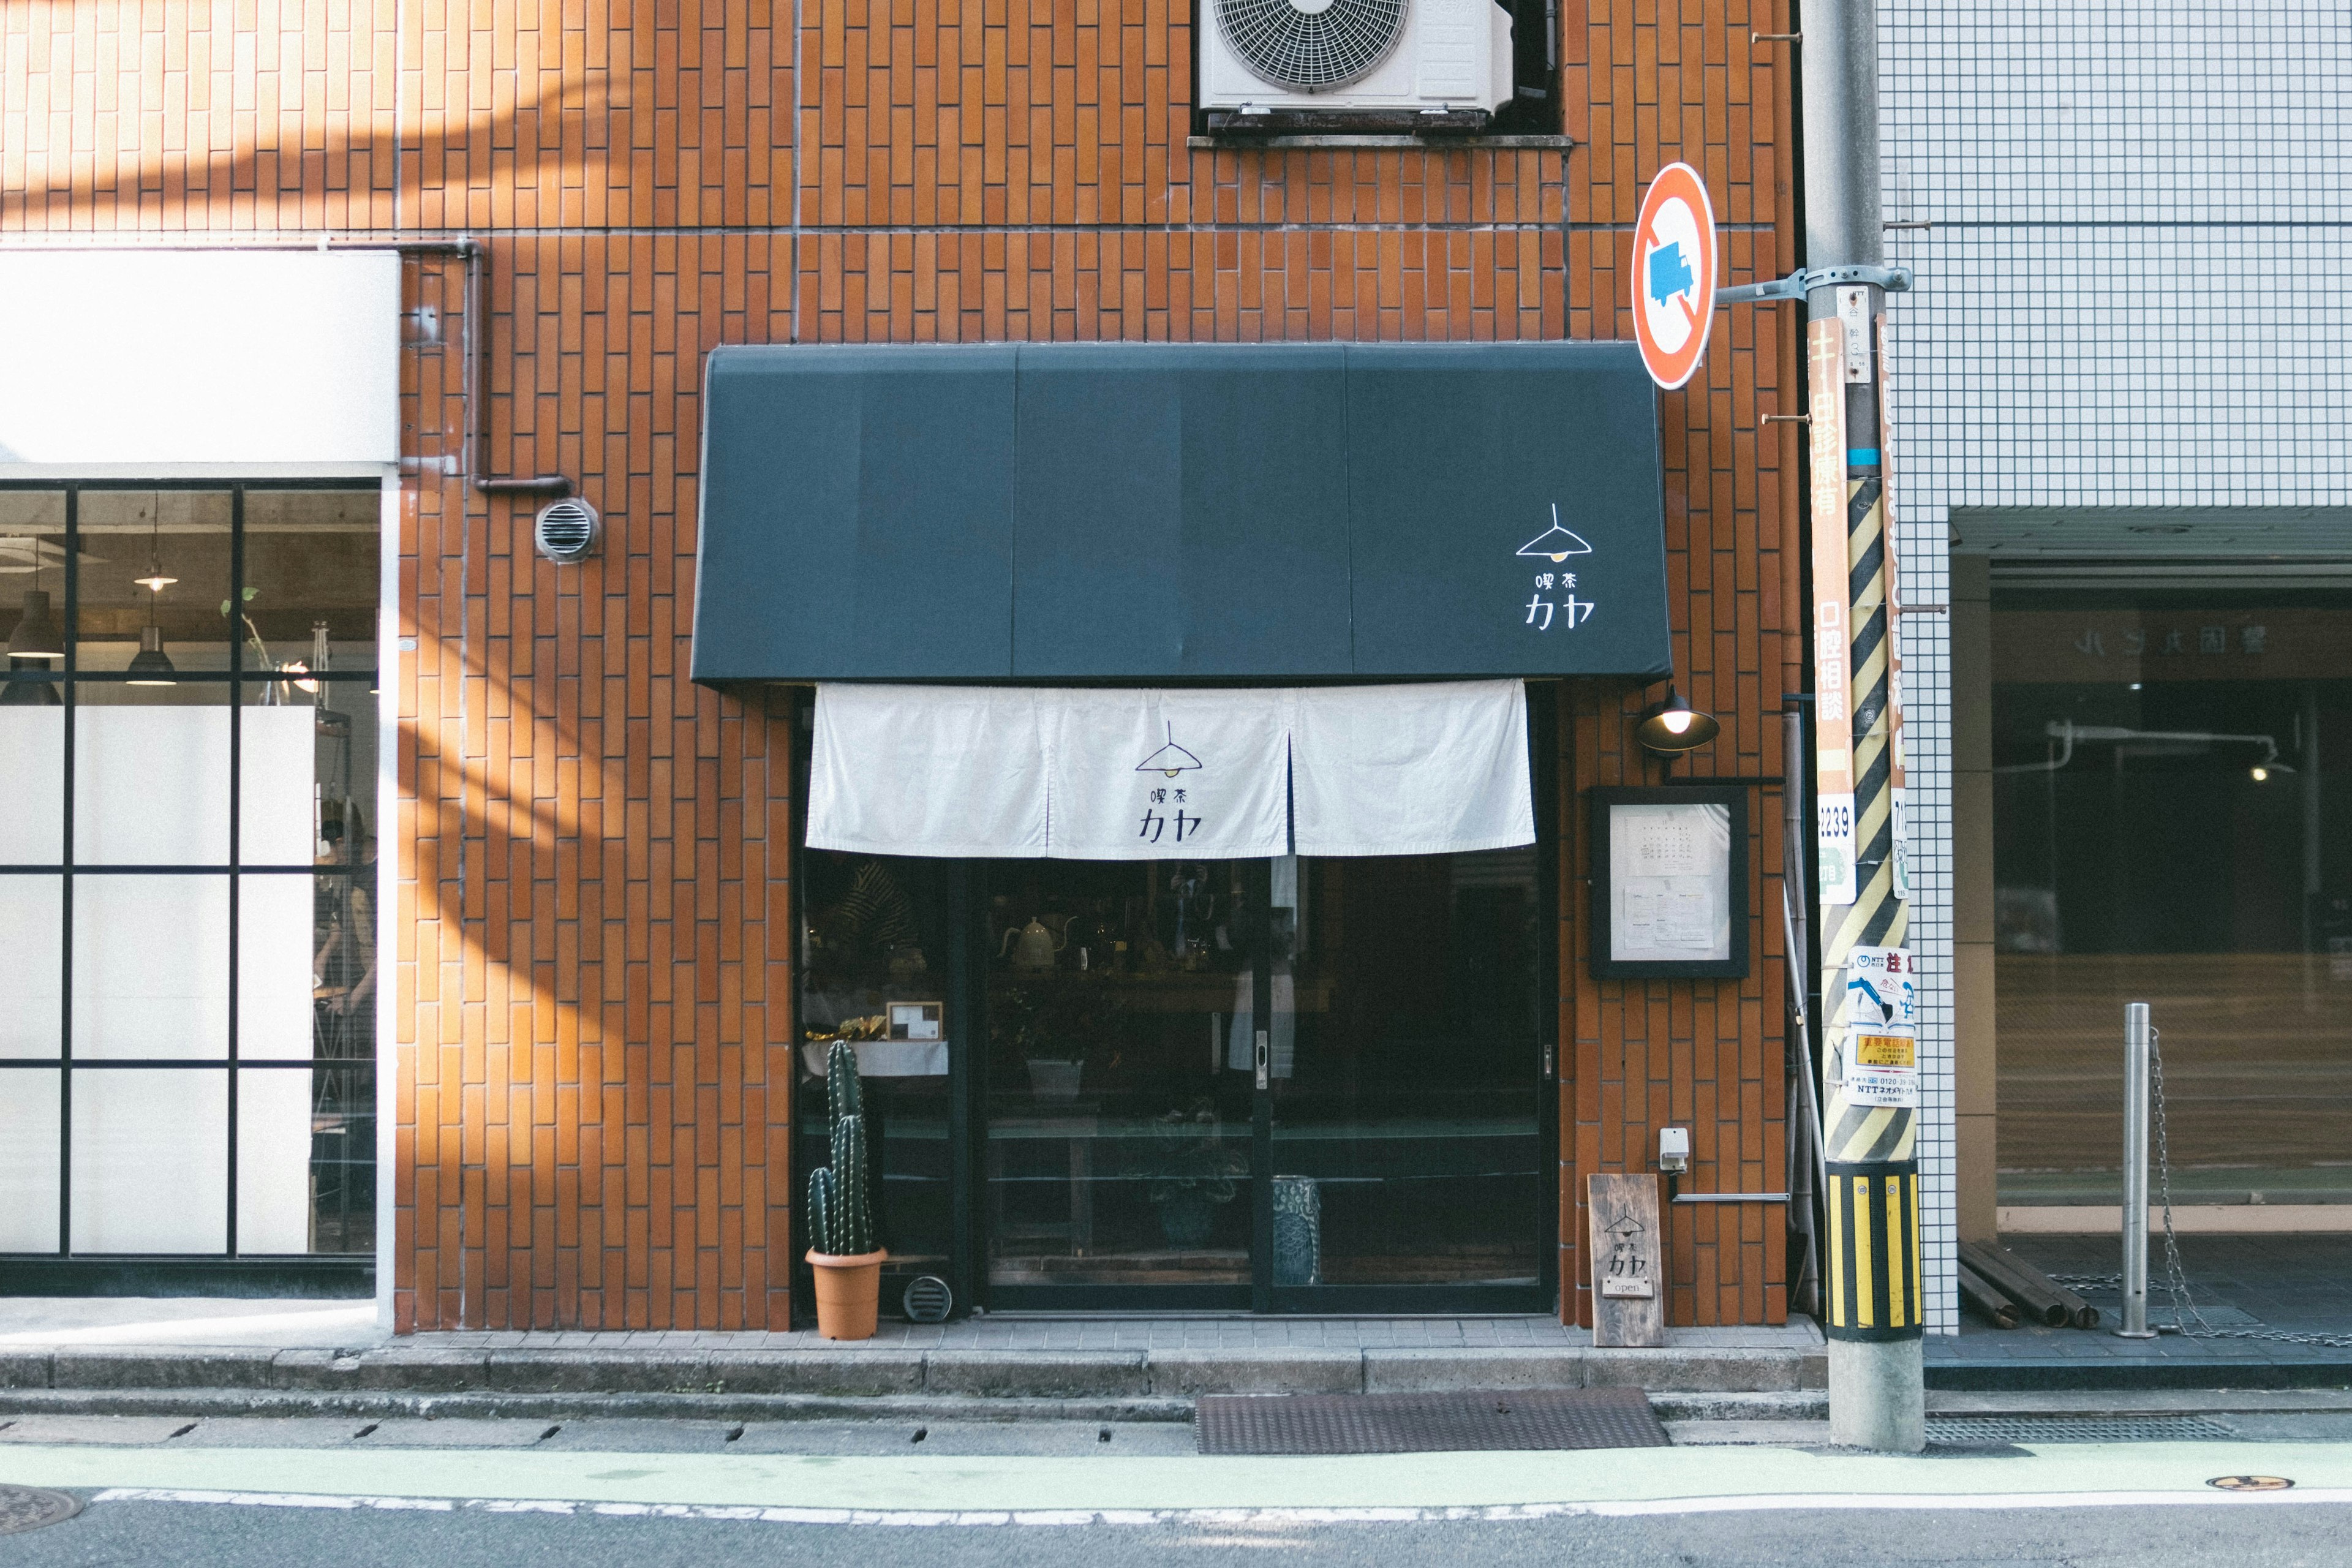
[{"x": 1674, "y": 275}]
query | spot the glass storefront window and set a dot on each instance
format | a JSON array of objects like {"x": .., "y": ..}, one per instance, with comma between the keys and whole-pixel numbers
[
  {"x": 190, "y": 764},
  {"x": 2172, "y": 789},
  {"x": 1287, "y": 1085}
]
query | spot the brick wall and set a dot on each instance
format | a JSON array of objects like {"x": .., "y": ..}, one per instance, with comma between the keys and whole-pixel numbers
[{"x": 592, "y": 885}]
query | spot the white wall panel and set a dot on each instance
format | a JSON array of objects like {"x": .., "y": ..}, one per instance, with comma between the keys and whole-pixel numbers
[
  {"x": 150, "y": 785},
  {"x": 273, "y": 1162},
  {"x": 150, "y": 967},
  {"x": 32, "y": 963},
  {"x": 149, "y": 1161},
  {"x": 225, "y": 359},
  {"x": 28, "y": 1160},
  {"x": 32, "y": 785}
]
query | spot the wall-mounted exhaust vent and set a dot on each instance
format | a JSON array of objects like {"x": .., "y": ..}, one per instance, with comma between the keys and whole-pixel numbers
[{"x": 566, "y": 531}]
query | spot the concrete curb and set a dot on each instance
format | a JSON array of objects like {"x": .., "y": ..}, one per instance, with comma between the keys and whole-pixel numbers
[
  {"x": 854, "y": 1373},
  {"x": 677, "y": 1406}
]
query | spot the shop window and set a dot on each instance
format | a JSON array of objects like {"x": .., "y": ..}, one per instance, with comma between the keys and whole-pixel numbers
[
  {"x": 187, "y": 871},
  {"x": 2172, "y": 812}
]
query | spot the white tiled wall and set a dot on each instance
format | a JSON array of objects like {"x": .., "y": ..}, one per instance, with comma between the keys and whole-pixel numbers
[{"x": 2134, "y": 294}]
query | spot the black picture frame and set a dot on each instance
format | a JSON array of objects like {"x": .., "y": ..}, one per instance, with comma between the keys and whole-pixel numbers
[{"x": 1603, "y": 802}]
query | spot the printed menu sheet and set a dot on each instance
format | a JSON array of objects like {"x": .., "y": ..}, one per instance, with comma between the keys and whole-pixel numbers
[{"x": 1670, "y": 876}]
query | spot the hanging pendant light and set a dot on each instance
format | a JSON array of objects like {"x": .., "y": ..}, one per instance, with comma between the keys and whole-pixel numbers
[
  {"x": 151, "y": 666},
  {"x": 37, "y": 635}
]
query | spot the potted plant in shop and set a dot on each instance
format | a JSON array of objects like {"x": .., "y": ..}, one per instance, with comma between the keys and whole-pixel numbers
[
  {"x": 846, "y": 1262},
  {"x": 1192, "y": 1177}
]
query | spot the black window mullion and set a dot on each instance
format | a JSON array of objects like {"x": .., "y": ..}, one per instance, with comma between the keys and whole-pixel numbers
[
  {"x": 66, "y": 879},
  {"x": 235, "y": 815}
]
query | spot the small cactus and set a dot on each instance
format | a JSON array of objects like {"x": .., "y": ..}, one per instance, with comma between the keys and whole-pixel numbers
[
  {"x": 840, "y": 1217},
  {"x": 820, "y": 1215}
]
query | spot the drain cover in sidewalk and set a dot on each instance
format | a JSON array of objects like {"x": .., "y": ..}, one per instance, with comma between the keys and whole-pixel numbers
[
  {"x": 1425, "y": 1422},
  {"x": 1973, "y": 1430}
]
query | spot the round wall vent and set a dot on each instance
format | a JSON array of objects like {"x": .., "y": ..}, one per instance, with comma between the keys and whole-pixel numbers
[
  {"x": 566, "y": 531},
  {"x": 928, "y": 1299},
  {"x": 1311, "y": 45}
]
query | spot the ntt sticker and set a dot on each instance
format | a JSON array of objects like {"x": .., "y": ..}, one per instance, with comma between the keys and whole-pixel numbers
[{"x": 1674, "y": 275}]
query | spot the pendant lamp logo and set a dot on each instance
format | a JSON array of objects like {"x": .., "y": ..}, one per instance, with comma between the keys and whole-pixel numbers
[
  {"x": 1556, "y": 544},
  {"x": 1170, "y": 759},
  {"x": 1167, "y": 808}
]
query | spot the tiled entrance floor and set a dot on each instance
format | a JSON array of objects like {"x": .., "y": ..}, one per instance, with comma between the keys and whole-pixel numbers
[{"x": 2291, "y": 1284}]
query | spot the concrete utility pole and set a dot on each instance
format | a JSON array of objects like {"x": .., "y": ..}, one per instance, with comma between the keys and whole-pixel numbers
[{"x": 1870, "y": 1064}]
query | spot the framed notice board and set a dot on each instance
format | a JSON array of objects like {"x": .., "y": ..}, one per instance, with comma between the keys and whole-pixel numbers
[{"x": 1670, "y": 882}]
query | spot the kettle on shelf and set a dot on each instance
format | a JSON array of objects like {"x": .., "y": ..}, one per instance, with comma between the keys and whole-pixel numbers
[{"x": 1032, "y": 946}]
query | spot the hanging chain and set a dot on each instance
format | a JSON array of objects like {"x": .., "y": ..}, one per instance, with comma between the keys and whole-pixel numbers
[{"x": 2176, "y": 1276}]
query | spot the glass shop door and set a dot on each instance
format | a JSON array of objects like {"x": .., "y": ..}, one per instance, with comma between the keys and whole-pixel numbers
[
  {"x": 1120, "y": 1162},
  {"x": 1303, "y": 1086},
  {"x": 1409, "y": 1159}
]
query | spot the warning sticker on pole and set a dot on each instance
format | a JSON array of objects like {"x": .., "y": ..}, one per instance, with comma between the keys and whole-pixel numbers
[
  {"x": 1879, "y": 994},
  {"x": 1882, "y": 1069},
  {"x": 1832, "y": 684}
]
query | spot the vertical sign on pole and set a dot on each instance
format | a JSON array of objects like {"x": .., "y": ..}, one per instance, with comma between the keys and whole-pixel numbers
[
  {"x": 1832, "y": 632},
  {"x": 1897, "y": 791}
]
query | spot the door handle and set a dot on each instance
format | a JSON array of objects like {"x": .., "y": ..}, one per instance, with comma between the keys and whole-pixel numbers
[{"x": 1263, "y": 1057}]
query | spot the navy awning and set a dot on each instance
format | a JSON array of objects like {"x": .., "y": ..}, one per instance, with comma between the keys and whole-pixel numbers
[{"x": 1074, "y": 511}]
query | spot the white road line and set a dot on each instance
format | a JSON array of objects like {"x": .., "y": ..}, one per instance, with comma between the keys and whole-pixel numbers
[{"x": 1498, "y": 1513}]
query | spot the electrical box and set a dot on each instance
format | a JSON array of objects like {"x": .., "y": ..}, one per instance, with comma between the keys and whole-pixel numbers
[{"x": 1673, "y": 1148}]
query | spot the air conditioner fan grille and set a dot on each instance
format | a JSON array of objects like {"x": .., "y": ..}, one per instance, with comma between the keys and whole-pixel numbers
[{"x": 1311, "y": 49}]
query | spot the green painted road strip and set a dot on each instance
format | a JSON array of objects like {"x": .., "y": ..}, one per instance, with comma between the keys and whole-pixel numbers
[{"x": 946, "y": 1490}]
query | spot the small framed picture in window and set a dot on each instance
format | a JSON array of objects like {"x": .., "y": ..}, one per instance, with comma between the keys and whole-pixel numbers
[
  {"x": 1670, "y": 882},
  {"x": 915, "y": 1020}
]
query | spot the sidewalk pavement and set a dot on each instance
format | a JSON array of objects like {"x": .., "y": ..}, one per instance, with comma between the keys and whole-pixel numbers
[
  {"x": 125, "y": 1356},
  {"x": 2260, "y": 1285}
]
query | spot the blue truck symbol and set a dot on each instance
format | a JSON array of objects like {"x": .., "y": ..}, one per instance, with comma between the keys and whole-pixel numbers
[{"x": 1669, "y": 274}]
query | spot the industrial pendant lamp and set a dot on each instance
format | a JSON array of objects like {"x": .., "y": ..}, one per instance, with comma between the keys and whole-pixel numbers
[
  {"x": 37, "y": 635},
  {"x": 151, "y": 666},
  {"x": 1671, "y": 727}
]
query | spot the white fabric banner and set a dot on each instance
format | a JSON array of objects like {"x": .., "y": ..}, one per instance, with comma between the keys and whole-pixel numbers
[
  {"x": 1411, "y": 770},
  {"x": 1158, "y": 774},
  {"x": 1169, "y": 774},
  {"x": 952, "y": 771}
]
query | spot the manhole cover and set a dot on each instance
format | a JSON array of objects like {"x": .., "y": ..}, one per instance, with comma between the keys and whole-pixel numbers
[
  {"x": 1973, "y": 1431},
  {"x": 29, "y": 1508},
  {"x": 1426, "y": 1423}
]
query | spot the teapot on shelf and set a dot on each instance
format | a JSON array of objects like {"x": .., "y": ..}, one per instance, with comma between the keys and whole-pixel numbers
[{"x": 1032, "y": 947}]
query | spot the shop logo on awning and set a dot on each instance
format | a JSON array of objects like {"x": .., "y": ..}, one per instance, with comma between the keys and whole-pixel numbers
[{"x": 1556, "y": 544}]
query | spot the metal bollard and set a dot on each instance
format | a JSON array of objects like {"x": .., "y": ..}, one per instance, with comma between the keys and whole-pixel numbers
[{"x": 2135, "y": 1040}]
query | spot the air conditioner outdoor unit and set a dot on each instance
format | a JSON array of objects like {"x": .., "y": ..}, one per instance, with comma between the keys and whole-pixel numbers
[{"x": 1280, "y": 57}]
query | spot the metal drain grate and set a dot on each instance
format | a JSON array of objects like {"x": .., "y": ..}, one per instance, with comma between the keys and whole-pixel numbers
[
  {"x": 1973, "y": 1431},
  {"x": 1426, "y": 1423},
  {"x": 30, "y": 1507}
]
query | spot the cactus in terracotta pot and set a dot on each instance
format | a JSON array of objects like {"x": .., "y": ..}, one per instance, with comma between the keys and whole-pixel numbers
[
  {"x": 840, "y": 1215},
  {"x": 847, "y": 1263}
]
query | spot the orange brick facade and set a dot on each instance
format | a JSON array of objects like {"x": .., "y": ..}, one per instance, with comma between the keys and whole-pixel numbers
[{"x": 592, "y": 865}]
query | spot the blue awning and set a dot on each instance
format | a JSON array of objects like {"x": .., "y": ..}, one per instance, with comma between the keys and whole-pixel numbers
[{"x": 1179, "y": 513}]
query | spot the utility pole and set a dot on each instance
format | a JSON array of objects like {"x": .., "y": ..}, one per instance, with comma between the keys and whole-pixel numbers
[
  {"x": 1870, "y": 1063},
  {"x": 1869, "y": 1104}
]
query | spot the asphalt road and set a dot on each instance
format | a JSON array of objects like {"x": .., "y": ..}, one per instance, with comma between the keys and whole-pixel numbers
[{"x": 202, "y": 1536}]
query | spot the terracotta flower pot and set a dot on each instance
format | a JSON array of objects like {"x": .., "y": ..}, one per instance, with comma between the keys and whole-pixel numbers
[{"x": 848, "y": 1293}]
